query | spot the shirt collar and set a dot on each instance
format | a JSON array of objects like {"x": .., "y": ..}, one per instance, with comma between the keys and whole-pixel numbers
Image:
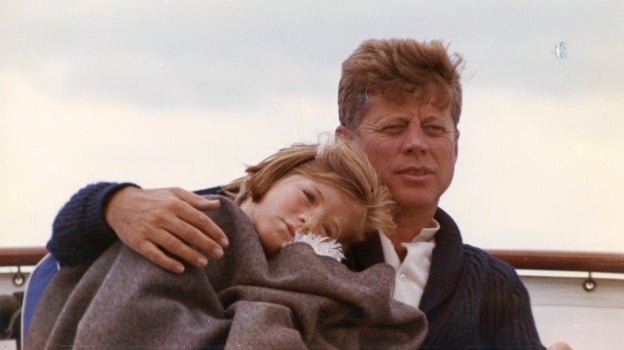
[{"x": 426, "y": 235}]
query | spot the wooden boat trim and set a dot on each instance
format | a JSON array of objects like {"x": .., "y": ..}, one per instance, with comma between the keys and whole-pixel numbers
[{"x": 520, "y": 259}]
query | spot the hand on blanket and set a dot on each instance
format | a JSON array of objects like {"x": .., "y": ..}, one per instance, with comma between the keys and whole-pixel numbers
[{"x": 152, "y": 222}]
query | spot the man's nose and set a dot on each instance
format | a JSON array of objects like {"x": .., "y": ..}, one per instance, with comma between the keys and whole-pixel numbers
[{"x": 415, "y": 140}]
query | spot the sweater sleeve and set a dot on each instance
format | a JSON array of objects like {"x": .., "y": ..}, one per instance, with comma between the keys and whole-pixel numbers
[
  {"x": 80, "y": 232},
  {"x": 507, "y": 319}
]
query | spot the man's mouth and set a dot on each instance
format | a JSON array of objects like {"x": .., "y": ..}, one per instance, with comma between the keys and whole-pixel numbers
[{"x": 416, "y": 171}]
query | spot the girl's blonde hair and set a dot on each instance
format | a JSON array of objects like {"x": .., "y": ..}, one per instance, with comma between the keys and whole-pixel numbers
[{"x": 339, "y": 163}]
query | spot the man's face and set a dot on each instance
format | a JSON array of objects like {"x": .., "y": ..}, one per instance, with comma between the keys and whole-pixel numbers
[{"x": 413, "y": 146}]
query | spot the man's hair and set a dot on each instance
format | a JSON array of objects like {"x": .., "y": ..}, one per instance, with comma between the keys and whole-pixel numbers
[
  {"x": 339, "y": 163},
  {"x": 399, "y": 69}
]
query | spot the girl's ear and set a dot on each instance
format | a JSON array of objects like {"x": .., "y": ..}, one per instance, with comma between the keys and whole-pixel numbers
[{"x": 343, "y": 132}]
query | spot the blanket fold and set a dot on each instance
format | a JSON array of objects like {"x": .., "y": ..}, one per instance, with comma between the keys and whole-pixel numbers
[{"x": 294, "y": 300}]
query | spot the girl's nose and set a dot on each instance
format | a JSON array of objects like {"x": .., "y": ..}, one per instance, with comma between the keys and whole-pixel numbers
[
  {"x": 310, "y": 225},
  {"x": 303, "y": 218}
]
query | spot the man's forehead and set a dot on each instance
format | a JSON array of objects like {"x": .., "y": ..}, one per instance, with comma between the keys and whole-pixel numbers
[{"x": 384, "y": 108}]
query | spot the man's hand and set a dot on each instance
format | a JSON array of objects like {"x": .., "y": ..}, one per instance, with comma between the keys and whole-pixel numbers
[{"x": 152, "y": 222}]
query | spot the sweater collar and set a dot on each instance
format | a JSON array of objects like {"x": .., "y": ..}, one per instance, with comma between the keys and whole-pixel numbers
[{"x": 446, "y": 260}]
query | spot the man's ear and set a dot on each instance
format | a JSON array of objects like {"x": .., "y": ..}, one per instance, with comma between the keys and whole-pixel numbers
[{"x": 343, "y": 132}]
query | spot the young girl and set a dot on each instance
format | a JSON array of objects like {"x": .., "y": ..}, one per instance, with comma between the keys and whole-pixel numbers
[
  {"x": 264, "y": 292},
  {"x": 329, "y": 191}
]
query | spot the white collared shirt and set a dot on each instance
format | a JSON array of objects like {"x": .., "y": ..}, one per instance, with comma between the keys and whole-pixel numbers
[{"x": 413, "y": 272}]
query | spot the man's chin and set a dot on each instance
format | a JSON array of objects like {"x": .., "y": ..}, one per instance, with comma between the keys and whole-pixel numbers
[
  {"x": 416, "y": 198},
  {"x": 417, "y": 203}
]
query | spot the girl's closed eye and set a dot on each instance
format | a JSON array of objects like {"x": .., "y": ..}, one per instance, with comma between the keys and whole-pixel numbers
[{"x": 309, "y": 196}]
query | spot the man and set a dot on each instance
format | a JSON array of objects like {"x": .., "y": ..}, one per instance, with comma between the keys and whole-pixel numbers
[{"x": 400, "y": 100}]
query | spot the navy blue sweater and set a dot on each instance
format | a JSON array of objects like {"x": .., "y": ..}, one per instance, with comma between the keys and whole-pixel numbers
[{"x": 472, "y": 300}]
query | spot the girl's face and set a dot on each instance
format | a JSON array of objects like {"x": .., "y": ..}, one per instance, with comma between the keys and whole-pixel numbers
[{"x": 298, "y": 203}]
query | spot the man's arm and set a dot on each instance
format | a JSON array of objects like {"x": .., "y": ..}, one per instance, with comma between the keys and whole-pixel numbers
[
  {"x": 516, "y": 325},
  {"x": 507, "y": 318},
  {"x": 79, "y": 231},
  {"x": 158, "y": 224}
]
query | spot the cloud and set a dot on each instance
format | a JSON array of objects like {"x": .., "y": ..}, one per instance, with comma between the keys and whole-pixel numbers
[
  {"x": 170, "y": 55},
  {"x": 168, "y": 93}
]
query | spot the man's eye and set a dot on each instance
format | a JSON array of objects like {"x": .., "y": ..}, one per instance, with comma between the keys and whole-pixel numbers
[
  {"x": 435, "y": 129},
  {"x": 395, "y": 128}
]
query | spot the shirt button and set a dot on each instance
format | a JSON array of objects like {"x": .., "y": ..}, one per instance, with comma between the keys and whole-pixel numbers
[{"x": 402, "y": 277}]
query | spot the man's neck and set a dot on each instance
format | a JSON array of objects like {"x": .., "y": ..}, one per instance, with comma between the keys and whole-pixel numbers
[{"x": 409, "y": 224}]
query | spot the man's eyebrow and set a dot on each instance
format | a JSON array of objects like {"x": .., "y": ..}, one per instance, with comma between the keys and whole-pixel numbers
[
  {"x": 393, "y": 117},
  {"x": 436, "y": 116}
]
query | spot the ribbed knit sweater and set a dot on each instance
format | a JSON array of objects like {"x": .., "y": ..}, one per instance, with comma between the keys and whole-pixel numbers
[{"x": 471, "y": 300}]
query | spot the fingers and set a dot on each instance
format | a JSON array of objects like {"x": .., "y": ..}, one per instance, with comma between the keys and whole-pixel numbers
[
  {"x": 166, "y": 250},
  {"x": 196, "y": 228},
  {"x": 195, "y": 200},
  {"x": 203, "y": 240},
  {"x": 204, "y": 225},
  {"x": 184, "y": 232},
  {"x": 158, "y": 257},
  {"x": 182, "y": 240},
  {"x": 165, "y": 224}
]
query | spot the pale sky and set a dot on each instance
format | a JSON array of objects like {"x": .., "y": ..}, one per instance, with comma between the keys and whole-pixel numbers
[{"x": 186, "y": 93}]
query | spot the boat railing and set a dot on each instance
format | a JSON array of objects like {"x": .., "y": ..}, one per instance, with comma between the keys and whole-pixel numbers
[
  {"x": 544, "y": 260},
  {"x": 21, "y": 256},
  {"x": 554, "y": 260}
]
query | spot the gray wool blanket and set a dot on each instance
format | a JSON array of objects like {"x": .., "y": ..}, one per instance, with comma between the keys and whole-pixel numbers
[{"x": 294, "y": 300}]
